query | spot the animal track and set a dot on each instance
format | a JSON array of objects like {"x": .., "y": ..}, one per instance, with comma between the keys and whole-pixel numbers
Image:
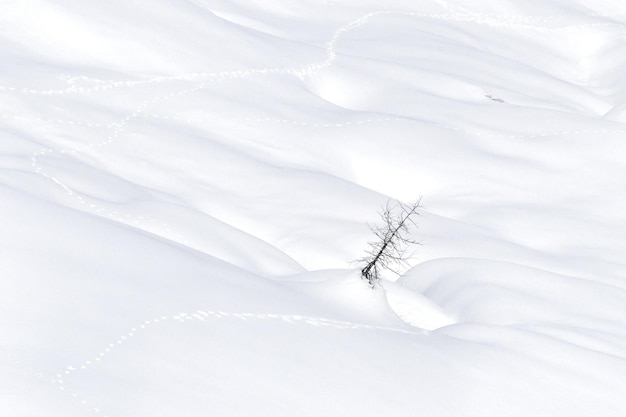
[{"x": 204, "y": 316}]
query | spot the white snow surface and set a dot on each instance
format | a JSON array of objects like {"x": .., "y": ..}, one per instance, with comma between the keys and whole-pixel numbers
[{"x": 184, "y": 185}]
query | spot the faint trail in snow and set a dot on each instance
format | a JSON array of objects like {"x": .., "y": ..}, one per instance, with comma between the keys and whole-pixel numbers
[
  {"x": 203, "y": 80},
  {"x": 311, "y": 124},
  {"x": 454, "y": 14},
  {"x": 205, "y": 316},
  {"x": 118, "y": 129},
  {"x": 120, "y": 126},
  {"x": 58, "y": 121},
  {"x": 377, "y": 120}
]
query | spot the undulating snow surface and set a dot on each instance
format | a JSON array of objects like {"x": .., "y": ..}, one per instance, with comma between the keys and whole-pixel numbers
[{"x": 184, "y": 184}]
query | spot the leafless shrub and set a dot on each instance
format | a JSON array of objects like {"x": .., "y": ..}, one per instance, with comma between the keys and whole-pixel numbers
[{"x": 390, "y": 250}]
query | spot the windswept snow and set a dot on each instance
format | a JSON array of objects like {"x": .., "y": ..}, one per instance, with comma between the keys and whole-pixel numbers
[{"x": 184, "y": 185}]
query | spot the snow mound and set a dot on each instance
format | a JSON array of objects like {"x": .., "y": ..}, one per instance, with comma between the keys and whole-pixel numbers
[
  {"x": 415, "y": 309},
  {"x": 502, "y": 293}
]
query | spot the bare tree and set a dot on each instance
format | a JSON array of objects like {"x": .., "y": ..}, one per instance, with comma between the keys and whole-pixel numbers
[{"x": 390, "y": 250}]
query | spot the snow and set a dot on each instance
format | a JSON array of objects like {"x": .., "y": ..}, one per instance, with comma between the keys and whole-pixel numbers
[{"x": 184, "y": 186}]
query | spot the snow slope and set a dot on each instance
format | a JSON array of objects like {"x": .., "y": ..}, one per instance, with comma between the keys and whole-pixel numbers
[{"x": 184, "y": 184}]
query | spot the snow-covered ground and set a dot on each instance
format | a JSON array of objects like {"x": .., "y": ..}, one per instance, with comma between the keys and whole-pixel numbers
[{"x": 185, "y": 183}]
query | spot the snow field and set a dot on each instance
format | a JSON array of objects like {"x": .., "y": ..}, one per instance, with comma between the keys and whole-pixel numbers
[{"x": 183, "y": 186}]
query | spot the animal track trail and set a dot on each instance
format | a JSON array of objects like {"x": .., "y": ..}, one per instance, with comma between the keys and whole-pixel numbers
[
  {"x": 203, "y": 80},
  {"x": 121, "y": 126},
  {"x": 207, "y": 316},
  {"x": 117, "y": 130}
]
